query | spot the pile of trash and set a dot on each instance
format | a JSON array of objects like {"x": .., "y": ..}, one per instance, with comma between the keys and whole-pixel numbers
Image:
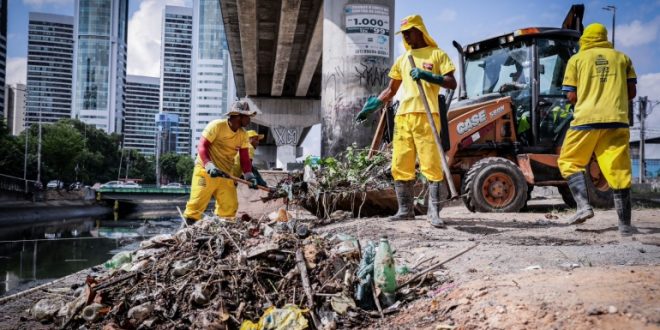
[
  {"x": 224, "y": 275},
  {"x": 353, "y": 182}
]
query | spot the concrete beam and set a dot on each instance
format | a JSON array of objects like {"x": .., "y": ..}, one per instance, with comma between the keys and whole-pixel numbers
[
  {"x": 247, "y": 20},
  {"x": 288, "y": 22},
  {"x": 314, "y": 51},
  {"x": 285, "y": 112}
]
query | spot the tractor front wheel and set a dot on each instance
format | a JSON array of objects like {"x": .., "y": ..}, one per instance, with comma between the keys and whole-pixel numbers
[{"x": 494, "y": 184}]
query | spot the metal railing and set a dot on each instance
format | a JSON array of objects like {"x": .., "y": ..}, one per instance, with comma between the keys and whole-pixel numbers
[{"x": 16, "y": 184}]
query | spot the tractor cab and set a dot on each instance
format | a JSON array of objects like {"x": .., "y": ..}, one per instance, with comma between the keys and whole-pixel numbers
[{"x": 528, "y": 66}]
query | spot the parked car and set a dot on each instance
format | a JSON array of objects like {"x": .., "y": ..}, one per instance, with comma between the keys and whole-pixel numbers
[
  {"x": 172, "y": 185},
  {"x": 111, "y": 184},
  {"x": 129, "y": 184},
  {"x": 76, "y": 186},
  {"x": 55, "y": 184}
]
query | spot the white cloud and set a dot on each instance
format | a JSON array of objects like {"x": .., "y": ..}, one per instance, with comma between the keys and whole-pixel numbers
[
  {"x": 447, "y": 15},
  {"x": 637, "y": 33},
  {"x": 144, "y": 36},
  {"x": 16, "y": 70},
  {"x": 39, "y": 3},
  {"x": 649, "y": 85}
]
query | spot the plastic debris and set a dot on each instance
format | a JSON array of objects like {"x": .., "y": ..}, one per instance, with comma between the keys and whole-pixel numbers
[
  {"x": 341, "y": 303},
  {"x": 45, "y": 309},
  {"x": 384, "y": 274},
  {"x": 289, "y": 317},
  {"x": 118, "y": 260}
]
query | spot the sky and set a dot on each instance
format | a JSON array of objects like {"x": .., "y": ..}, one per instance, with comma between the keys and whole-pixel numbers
[{"x": 466, "y": 21}]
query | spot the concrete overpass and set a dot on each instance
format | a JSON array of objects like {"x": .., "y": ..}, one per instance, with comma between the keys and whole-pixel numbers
[{"x": 287, "y": 54}]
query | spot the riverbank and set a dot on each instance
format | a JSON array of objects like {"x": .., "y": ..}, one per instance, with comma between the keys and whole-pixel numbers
[{"x": 21, "y": 213}]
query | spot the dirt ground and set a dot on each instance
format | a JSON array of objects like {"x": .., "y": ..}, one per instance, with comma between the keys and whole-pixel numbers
[{"x": 529, "y": 271}]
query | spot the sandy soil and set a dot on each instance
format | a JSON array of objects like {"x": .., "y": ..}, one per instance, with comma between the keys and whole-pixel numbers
[{"x": 529, "y": 271}]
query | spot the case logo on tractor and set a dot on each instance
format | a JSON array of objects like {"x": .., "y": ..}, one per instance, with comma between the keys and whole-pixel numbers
[{"x": 471, "y": 122}]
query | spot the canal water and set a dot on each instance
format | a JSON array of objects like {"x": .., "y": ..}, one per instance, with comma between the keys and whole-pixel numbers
[{"x": 36, "y": 254}]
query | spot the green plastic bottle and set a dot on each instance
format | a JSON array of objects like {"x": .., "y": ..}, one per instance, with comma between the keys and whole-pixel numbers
[{"x": 384, "y": 272}]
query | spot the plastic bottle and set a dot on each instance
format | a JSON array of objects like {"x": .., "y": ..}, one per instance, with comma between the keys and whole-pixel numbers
[
  {"x": 118, "y": 260},
  {"x": 384, "y": 273}
]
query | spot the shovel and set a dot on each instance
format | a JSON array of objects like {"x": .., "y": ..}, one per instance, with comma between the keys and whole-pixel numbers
[
  {"x": 436, "y": 137},
  {"x": 272, "y": 192}
]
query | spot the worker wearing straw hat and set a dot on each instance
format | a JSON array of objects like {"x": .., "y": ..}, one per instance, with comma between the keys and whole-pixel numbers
[{"x": 221, "y": 140}]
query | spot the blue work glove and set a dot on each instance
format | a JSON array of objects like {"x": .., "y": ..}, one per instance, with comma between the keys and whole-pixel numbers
[
  {"x": 260, "y": 179},
  {"x": 249, "y": 176},
  {"x": 373, "y": 104},
  {"x": 418, "y": 74},
  {"x": 213, "y": 171}
]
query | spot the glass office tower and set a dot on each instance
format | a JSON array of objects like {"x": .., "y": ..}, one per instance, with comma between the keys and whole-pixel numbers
[{"x": 100, "y": 67}]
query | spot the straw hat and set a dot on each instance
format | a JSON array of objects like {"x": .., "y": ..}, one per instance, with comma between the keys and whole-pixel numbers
[{"x": 242, "y": 108}]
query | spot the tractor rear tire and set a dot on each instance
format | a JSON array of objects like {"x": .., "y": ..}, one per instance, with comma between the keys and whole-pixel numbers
[{"x": 494, "y": 184}]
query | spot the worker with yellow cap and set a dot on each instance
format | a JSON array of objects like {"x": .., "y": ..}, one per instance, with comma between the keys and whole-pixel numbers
[
  {"x": 221, "y": 140},
  {"x": 254, "y": 139},
  {"x": 413, "y": 135},
  {"x": 600, "y": 81}
]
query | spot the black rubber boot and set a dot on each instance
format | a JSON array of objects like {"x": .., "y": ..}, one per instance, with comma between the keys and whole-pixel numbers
[
  {"x": 578, "y": 185},
  {"x": 437, "y": 193},
  {"x": 190, "y": 221},
  {"x": 405, "y": 198},
  {"x": 624, "y": 211}
]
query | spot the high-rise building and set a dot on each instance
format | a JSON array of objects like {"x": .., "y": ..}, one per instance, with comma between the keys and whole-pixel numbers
[
  {"x": 211, "y": 79},
  {"x": 3, "y": 53},
  {"x": 49, "y": 68},
  {"x": 142, "y": 101},
  {"x": 100, "y": 65},
  {"x": 175, "y": 69},
  {"x": 15, "y": 108}
]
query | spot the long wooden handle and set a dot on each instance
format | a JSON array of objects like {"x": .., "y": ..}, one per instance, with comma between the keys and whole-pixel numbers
[
  {"x": 246, "y": 182},
  {"x": 436, "y": 136},
  {"x": 378, "y": 136}
]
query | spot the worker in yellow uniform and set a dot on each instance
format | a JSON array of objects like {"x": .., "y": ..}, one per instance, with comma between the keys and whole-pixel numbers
[
  {"x": 254, "y": 139},
  {"x": 413, "y": 135},
  {"x": 220, "y": 141},
  {"x": 600, "y": 81}
]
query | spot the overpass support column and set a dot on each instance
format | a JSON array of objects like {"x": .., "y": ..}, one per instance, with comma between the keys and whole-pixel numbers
[
  {"x": 286, "y": 139},
  {"x": 358, "y": 51}
]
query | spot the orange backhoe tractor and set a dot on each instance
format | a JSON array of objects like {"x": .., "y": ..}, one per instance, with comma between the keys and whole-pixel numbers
[{"x": 506, "y": 127}]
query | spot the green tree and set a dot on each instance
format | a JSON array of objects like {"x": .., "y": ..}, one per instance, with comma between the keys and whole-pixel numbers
[
  {"x": 140, "y": 167},
  {"x": 11, "y": 153},
  {"x": 168, "y": 163},
  {"x": 99, "y": 161},
  {"x": 61, "y": 146},
  {"x": 184, "y": 168}
]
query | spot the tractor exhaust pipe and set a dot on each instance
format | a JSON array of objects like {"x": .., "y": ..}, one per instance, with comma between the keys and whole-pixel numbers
[{"x": 462, "y": 90}]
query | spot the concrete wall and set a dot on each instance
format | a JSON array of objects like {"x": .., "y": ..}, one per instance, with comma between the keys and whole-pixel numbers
[{"x": 351, "y": 73}]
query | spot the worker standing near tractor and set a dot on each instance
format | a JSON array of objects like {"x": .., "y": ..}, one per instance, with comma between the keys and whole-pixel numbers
[
  {"x": 600, "y": 81},
  {"x": 220, "y": 141},
  {"x": 413, "y": 135}
]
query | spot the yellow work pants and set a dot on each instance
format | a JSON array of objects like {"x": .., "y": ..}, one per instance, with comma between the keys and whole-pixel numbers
[
  {"x": 611, "y": 147},
  {"x": 203, "y": 187},
  {"x": 413, "y": 139}
]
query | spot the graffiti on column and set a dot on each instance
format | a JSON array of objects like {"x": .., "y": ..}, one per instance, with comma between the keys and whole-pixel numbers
[
  {"x": 372, "y": 75},
  {"x": 285, "y": 135}
]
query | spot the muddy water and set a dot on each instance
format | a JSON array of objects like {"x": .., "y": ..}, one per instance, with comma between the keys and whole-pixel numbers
[{"x": 32, "y": 255}]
